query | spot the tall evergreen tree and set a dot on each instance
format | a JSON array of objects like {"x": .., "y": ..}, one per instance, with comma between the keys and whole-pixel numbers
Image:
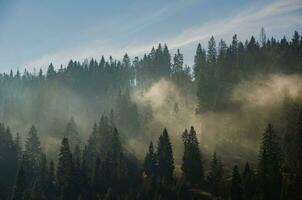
[
  {"x": 51, "y": 72},
  {"x": 38, "y": 190},
  {"x": 236, "y": 188},
  {"x": 19, "y": 147},
  {"x": 51, "y": 191},
  {"x": 65, "y": 172},
  {"x": 212, "y": 52},
  {"x": 90, "y": 151},
  {"x": 165, "y": 157},
  {"x": 19, "y": 192},
  {"x": 192, "y": 167},
  {"x": 77, "y": 170},
  {"x": 150, "y": 163},
  {"x": 269, "y": 166},
  {"x": 249, "y": 182},
  {"x": 8, "y": 161},
  {"x": 72, "y": 134},
  {"x": 215, "y": 175},
  {"x": 32, "y": 155},
  {"x": 199, "y": 62}
]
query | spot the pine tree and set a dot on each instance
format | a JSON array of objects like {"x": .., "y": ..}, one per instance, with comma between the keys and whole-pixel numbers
[
  {"x": 19, "y": 192},
  {"x": 215, "y": 175},
  {"x": 150, "y": 163},
  {"x": 85, "y": 185},
  {"x": 90, "y": 151},
  {"x": 77, "y": 170},
  {"x": 192, "y": 167},
  {"x": 72, "y": 134},
  {"x": 166, "y": 61},
  {"x": 103, "y": 137},
  {"x": 98, "y": 182},
  {"x": 212, "y": 52},
  {"x": 32, "y": 155},
  {"x": 65, "y": 172},
  {"x": 199, "y": 62},
  {"x": 118, "y": 159},
  {"x": 18, "y": 147},
  {"x": 38, "y": 190},
  {"x": 51, "y": 73},
  {"x": 236, "y": 188},
  {"x": 269, "y": 166},
  {"x": 249, "y": 182},
  {"x": 8, "y": 161},
  {"x": 165, "y": 157},
  {"x": 177, "y": 63},
  {"x": 51, "y": 183}
]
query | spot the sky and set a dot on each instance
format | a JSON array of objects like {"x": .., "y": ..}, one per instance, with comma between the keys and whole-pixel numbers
[{"x": 34, "y": 33}]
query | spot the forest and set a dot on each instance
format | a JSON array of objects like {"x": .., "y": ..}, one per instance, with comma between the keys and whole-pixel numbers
[{"x": 228, "y": 127}]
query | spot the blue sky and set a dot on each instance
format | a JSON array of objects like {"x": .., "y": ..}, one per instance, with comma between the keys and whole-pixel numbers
[{"x": 34, "y": 33}]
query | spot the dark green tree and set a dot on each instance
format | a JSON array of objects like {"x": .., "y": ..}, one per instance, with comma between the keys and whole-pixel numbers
[
  {"x": 249, "y": 182},
  {"x": 39, "y": 187},
  {"x": 65, "y": 172},
  {"x": 236, "y": 187},
  {"x": 215, "y": 175},
  {"x": 150, "y": 163},
  {"x": 32, "y": 155},
  {"x": 165, "y": 157},
  {"x": 51, "y": 73},
  {"x": 199, "y": 62},
  {"x": 19, "y": 192},
  {"x": 19, "y": 148},
  {"x": 269, "y": 170},
  {"x": 51, "y": 191},
  {"x": 8, "y": 162},
  {"x": 77, "y": 159},
  {"x": 72, "y": 134},
  {"x": 192, "y": 167}
]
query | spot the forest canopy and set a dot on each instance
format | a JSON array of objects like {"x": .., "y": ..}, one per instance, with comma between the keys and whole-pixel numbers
[{"x": 151, "y": 127}]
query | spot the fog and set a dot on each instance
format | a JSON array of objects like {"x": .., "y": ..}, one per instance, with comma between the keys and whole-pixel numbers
[{"x": 234, "y": 133}]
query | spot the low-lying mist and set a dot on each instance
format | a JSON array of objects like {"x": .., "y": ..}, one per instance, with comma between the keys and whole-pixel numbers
[{"x": 234, "y": 132}]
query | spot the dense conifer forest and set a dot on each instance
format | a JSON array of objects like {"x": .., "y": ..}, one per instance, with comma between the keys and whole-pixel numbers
[{"x": 228, "y": 127}]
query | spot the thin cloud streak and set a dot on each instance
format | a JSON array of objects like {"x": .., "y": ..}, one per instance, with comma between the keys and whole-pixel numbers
[{"x": 281, "y": 12}]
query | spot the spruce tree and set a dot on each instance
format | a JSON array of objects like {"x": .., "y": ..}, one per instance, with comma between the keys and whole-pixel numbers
[
  {"x": 51, "y": 191},
  {"x": 19, "y": 192},
  {"x": 103, "y": 137},
  {"x": 192, "y": 167},
  {"x": 236, "y": 188},
  {"x": 8, "y": 161},
  {"x": 32, "y": 155},
  {"x": 85, "y": 184},
  {"x": 91, "y": 151},
  {"x": 212, "y": 52},
  {"x": 165, "y": 157},
  {"x": 150, "y": 163},
  {"x": 38, "y": 190},
  {"x": 51, "y": 73},
  {"x": 199, "y": 62},
  {"x": 71, "y": 132},
  {"x": 215, "y": 175},
  {"x": 77, "y": 170},
  {"x": 65, "y": 172},
  {"x": 19, "y": 147},
  {"x": 248, "y": 182},
  {"x": 269, "y": 172}
]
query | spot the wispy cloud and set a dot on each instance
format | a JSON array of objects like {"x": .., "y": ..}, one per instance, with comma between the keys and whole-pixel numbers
[{"x": 278, "y": 15}]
